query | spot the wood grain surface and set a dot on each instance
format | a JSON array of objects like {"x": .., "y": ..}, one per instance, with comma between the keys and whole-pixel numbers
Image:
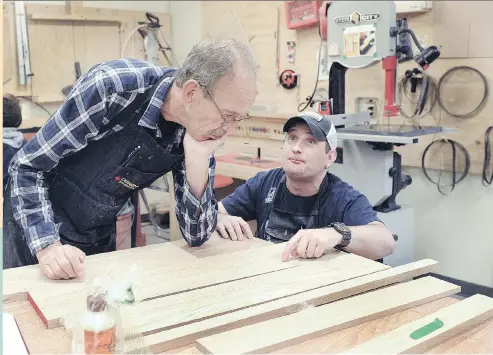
[
  {"x": 159, "y": 277},
  {"x": 186, "y": 334},
  {"x": 308, "y": 324},
  {"x": 18, "y": 281},
  {"x": 454, "y": 319},
  {"x": 179, "y": 309},
  {"x": 478, "y": 340}
]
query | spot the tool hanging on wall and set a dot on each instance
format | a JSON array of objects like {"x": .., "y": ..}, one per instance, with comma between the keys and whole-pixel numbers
[
  {"x": 444, "y": 98},
  {"x": 487, "y": 181},
  {"x": 426, "y": 96},
  {"x": 288, "y": 79},
  {"x": 149, "y": 32},
  {"x": 291, "y": 51},
  {"x": 455, "y": 146}
]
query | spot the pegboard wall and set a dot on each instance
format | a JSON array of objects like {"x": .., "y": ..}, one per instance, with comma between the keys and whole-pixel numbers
[
  {"x": 464, "y": 37},
  {"x": 58, "y": 39}
]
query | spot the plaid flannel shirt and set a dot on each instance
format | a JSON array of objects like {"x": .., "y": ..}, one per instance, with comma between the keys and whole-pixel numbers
[{"x": 96, "y": 98}]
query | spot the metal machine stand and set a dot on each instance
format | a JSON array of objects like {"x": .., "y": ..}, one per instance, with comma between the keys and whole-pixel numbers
[
  {"x": 359, "y": 34},
  {"x": 160, "y": 232}
]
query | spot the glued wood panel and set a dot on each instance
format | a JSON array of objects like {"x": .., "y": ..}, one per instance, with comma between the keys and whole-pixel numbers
[
  {"x": 18, "y": 281},
  {"x": 175, "y": 310},
  {"x": 158, "y": 278},
  {"x": 187, "y": 334},
  {"x": 217, "y": 245},
  {"x": 51, "y": 49},
  {"x": 310, "y": 323},
  {"x": 451, "y": 321}
]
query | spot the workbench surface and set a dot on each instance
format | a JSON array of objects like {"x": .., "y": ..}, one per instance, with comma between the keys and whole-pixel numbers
[{"x": 40, "y": 340}]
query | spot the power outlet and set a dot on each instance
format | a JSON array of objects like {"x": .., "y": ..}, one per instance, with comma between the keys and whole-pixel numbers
[{"x": 367, "y": 104}]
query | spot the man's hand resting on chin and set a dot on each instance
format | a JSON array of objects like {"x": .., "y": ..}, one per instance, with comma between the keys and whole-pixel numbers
[
  {"x": 311, "y": 243},
  {"x": 234, "y": 228},
  {"x": 61, "y": 261}
]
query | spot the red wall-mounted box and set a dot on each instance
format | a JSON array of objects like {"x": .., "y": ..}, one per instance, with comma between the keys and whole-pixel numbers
[{"x": 300, "y": 14}]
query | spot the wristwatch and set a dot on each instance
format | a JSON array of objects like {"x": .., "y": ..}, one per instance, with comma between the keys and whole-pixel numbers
[{"x": 342, "y": 229}]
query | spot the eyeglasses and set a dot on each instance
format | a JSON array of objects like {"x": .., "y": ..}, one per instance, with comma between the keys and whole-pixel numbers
[{"x": 235, "y": 117}]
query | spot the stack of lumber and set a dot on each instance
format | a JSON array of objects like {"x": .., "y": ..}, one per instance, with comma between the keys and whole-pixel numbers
[{"x": 249, "y": 301}]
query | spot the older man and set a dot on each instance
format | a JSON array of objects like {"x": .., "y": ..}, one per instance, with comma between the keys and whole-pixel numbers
[
  {"x": 125, "y": 124},
  {"x": 302, "y": 203}
]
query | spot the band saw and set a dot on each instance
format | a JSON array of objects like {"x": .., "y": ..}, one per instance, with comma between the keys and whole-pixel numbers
[{"x": 360, "y": 34}]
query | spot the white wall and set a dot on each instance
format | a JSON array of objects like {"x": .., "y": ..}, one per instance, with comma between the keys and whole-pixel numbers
[
  {"x": 186, "y": 26},
  {"x": 456, "y": 230}
]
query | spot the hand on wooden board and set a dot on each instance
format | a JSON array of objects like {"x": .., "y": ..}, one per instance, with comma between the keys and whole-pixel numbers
[
  {"x": 61, "y": 261},
  {"x": 311, "y": 243},
  {"x": 234, "y": 228}
]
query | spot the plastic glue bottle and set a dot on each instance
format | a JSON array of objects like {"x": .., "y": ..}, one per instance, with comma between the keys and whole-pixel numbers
[{"x": 99, "y": 326}]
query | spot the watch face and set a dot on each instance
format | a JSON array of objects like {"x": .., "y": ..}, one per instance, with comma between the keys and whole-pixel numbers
[{"x": 342, "y": 228}]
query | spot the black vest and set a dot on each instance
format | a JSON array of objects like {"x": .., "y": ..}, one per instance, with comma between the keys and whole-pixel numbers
[{"x": 89, "y": 187}]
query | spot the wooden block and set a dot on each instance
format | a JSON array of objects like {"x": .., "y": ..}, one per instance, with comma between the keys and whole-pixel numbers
[
  {"x": 159, "y": 279},
  {"x": 18, "y": 281},
  {"x": 311, "y": 323},
  {"x": 187, "y": 334},
  {"x": 447, "y": 322},
  {"x": 172, "y": 311}
]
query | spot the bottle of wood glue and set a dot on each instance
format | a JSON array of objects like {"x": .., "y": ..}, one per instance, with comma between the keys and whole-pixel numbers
[{"x": 99, "y": 326}]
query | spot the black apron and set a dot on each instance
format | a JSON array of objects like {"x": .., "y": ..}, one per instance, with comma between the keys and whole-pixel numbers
[
  {"x": 281, "y": 225},
  {"x": 88, "y": 188}
]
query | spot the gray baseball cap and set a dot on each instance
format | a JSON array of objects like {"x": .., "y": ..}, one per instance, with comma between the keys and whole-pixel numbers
[{"x": 322, "y": 128}]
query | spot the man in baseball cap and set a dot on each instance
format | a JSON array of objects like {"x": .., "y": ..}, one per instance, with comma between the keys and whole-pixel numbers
[
  {"x": 302, "y": 203},
  {"x": 320, "y": 126}
]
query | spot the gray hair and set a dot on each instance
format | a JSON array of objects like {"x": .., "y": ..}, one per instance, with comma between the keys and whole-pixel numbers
[{"x": 210, "y": 60}]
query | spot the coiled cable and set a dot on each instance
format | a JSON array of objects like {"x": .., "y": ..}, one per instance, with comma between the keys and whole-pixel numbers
[
  {"x": 454, "y": 145},
  {"x": 487, "y": 181},
  {"x": 442, "y": 82}
]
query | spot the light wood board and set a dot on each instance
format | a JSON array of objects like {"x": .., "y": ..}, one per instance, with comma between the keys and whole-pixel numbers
[
  {"x": 158, "y": 278},
  {"x": 217, "y": 245},
  {"x": 187, "y": 334},
  {"x": 456, "y": 318},
  {"x": 310, "y": 323},
  {"x": 180, "y": 309},
  {"x": 18, "y": 281}
]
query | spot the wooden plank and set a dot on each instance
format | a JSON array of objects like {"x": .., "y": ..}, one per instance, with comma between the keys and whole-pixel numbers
[
  {"x": 83, "y": 18},
  {"x": 218, "y": 245},
  {"x": 167, "y": 312},
  {"x": 159, "y": 279},
  {"x": 18, "y": 281},
  {"x": 455, "y": 319},
  {"x": 310, "y": 323},
  {"x": 187, "y": 334}
]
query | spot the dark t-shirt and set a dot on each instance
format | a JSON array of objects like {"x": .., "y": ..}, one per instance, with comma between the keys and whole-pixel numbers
[{"x": 339, "y": 203}]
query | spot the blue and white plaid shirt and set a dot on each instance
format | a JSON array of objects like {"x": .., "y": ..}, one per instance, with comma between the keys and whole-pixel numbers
[{"x": 96, "y": 98}]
